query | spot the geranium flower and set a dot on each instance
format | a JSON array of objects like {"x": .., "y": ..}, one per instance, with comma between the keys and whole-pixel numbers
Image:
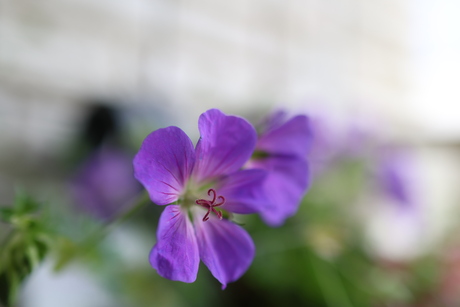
[
  {"x": 282, "y": 149},
  {"x": 197, "y": 184},
  {"x": 103, "y": 185}
]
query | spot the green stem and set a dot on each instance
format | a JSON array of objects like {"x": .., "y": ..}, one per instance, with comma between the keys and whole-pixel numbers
[
  {"x": 330, "y": 283},
  {"x": 140, "y": 202},
  {"x": 98, "y": 235}
]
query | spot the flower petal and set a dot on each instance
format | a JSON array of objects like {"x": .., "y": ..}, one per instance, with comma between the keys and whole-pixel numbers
[
  {"x": 285, "y": 185},
  {"x": 243, "y": 191},
  {"x": 226, "y": 143},
  {"x": 294, "y": 137},
  {"x": 175, "y": 256},
  {"x": 164, "y": 164},
  {"x": 225, "y": 248}
]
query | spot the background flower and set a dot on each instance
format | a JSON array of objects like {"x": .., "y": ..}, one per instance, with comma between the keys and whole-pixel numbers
[
  {"x": 103, "y": 184},
  {"x": 281, "y": 150}
]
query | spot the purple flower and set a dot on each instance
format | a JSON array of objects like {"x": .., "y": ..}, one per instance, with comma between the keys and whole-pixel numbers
[
  {"x": 394, "y": 174},
  {"x": 104, "y": 185},
  {"x": 197, "y": 184},
  {"x": 337, "y": 139},
  {"x": 282, "y": 150}
]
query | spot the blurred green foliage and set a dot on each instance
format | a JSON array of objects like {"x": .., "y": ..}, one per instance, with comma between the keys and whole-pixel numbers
[{"x": 25, "y": 246}]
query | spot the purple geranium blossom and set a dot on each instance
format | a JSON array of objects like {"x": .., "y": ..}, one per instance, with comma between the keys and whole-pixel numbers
[
  {"x": 197, "y": 184},
  {"x": 282, "y": 150},
  {"x": 395, "y": 174},
  {"x": 103, "y": 185}
]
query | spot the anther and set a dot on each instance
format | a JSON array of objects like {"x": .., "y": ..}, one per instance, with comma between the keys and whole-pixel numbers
[{"x": 211, "y": 204}]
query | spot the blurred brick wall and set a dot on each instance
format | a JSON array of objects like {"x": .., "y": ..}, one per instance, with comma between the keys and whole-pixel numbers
[{"x": 193, "y": 55}]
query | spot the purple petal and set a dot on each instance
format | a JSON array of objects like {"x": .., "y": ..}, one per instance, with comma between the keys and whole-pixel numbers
[
  {"x": 175, "y": 256},
  {"x": 285, "y": 185},
  {"x": 225, "y": 248},
  {"x": 243, "y": 191},
  {"x": 294, "y": 137},
  {"x": 226, "y": 143},
  {"x": 164, "y": 164}
]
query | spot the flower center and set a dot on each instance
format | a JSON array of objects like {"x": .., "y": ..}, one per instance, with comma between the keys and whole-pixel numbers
[{"x": 211, "y": 204}]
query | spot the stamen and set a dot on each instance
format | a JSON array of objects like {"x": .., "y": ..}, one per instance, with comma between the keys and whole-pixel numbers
[{"x": 211, "y": 204}]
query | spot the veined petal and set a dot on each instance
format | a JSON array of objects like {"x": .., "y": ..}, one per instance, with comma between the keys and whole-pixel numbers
[
  {"x": 226, "y": 143},
  {"x": 294, "y": 137},
  {"x": 164, "y": 164},
  {"x": 225, "y": 248},
  {"x": 285, "y": 185},
  {"x": 243, "y": 191},
  {"x": 175, "y": 255}
]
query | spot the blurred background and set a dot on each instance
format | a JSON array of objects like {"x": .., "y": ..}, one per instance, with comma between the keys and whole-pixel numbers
[{"x": 83, "y": 82}]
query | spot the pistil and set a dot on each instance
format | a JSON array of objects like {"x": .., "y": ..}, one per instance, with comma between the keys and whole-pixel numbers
[{"x": 211, "y": 204}]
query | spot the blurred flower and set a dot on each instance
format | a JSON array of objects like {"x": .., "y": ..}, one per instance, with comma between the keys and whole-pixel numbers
[
  {"x": 393, "y": 174},
  {"x": 396, "y": 222},
  {"x": 337, "y": 139},
  {"x": 104, "y": 185},
  {"x": 282, "y": 149},
  {"x": 195, "y": 183}
]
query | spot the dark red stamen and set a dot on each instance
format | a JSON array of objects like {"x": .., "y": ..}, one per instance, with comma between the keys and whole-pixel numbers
[{"x": 211, "y": 204}]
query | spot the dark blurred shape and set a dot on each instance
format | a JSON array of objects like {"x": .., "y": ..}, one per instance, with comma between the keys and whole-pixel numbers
[{"x": 101, "y": 124}]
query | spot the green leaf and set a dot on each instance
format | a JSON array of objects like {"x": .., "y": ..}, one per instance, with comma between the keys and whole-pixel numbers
[{"x": 25, "y": 247}]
